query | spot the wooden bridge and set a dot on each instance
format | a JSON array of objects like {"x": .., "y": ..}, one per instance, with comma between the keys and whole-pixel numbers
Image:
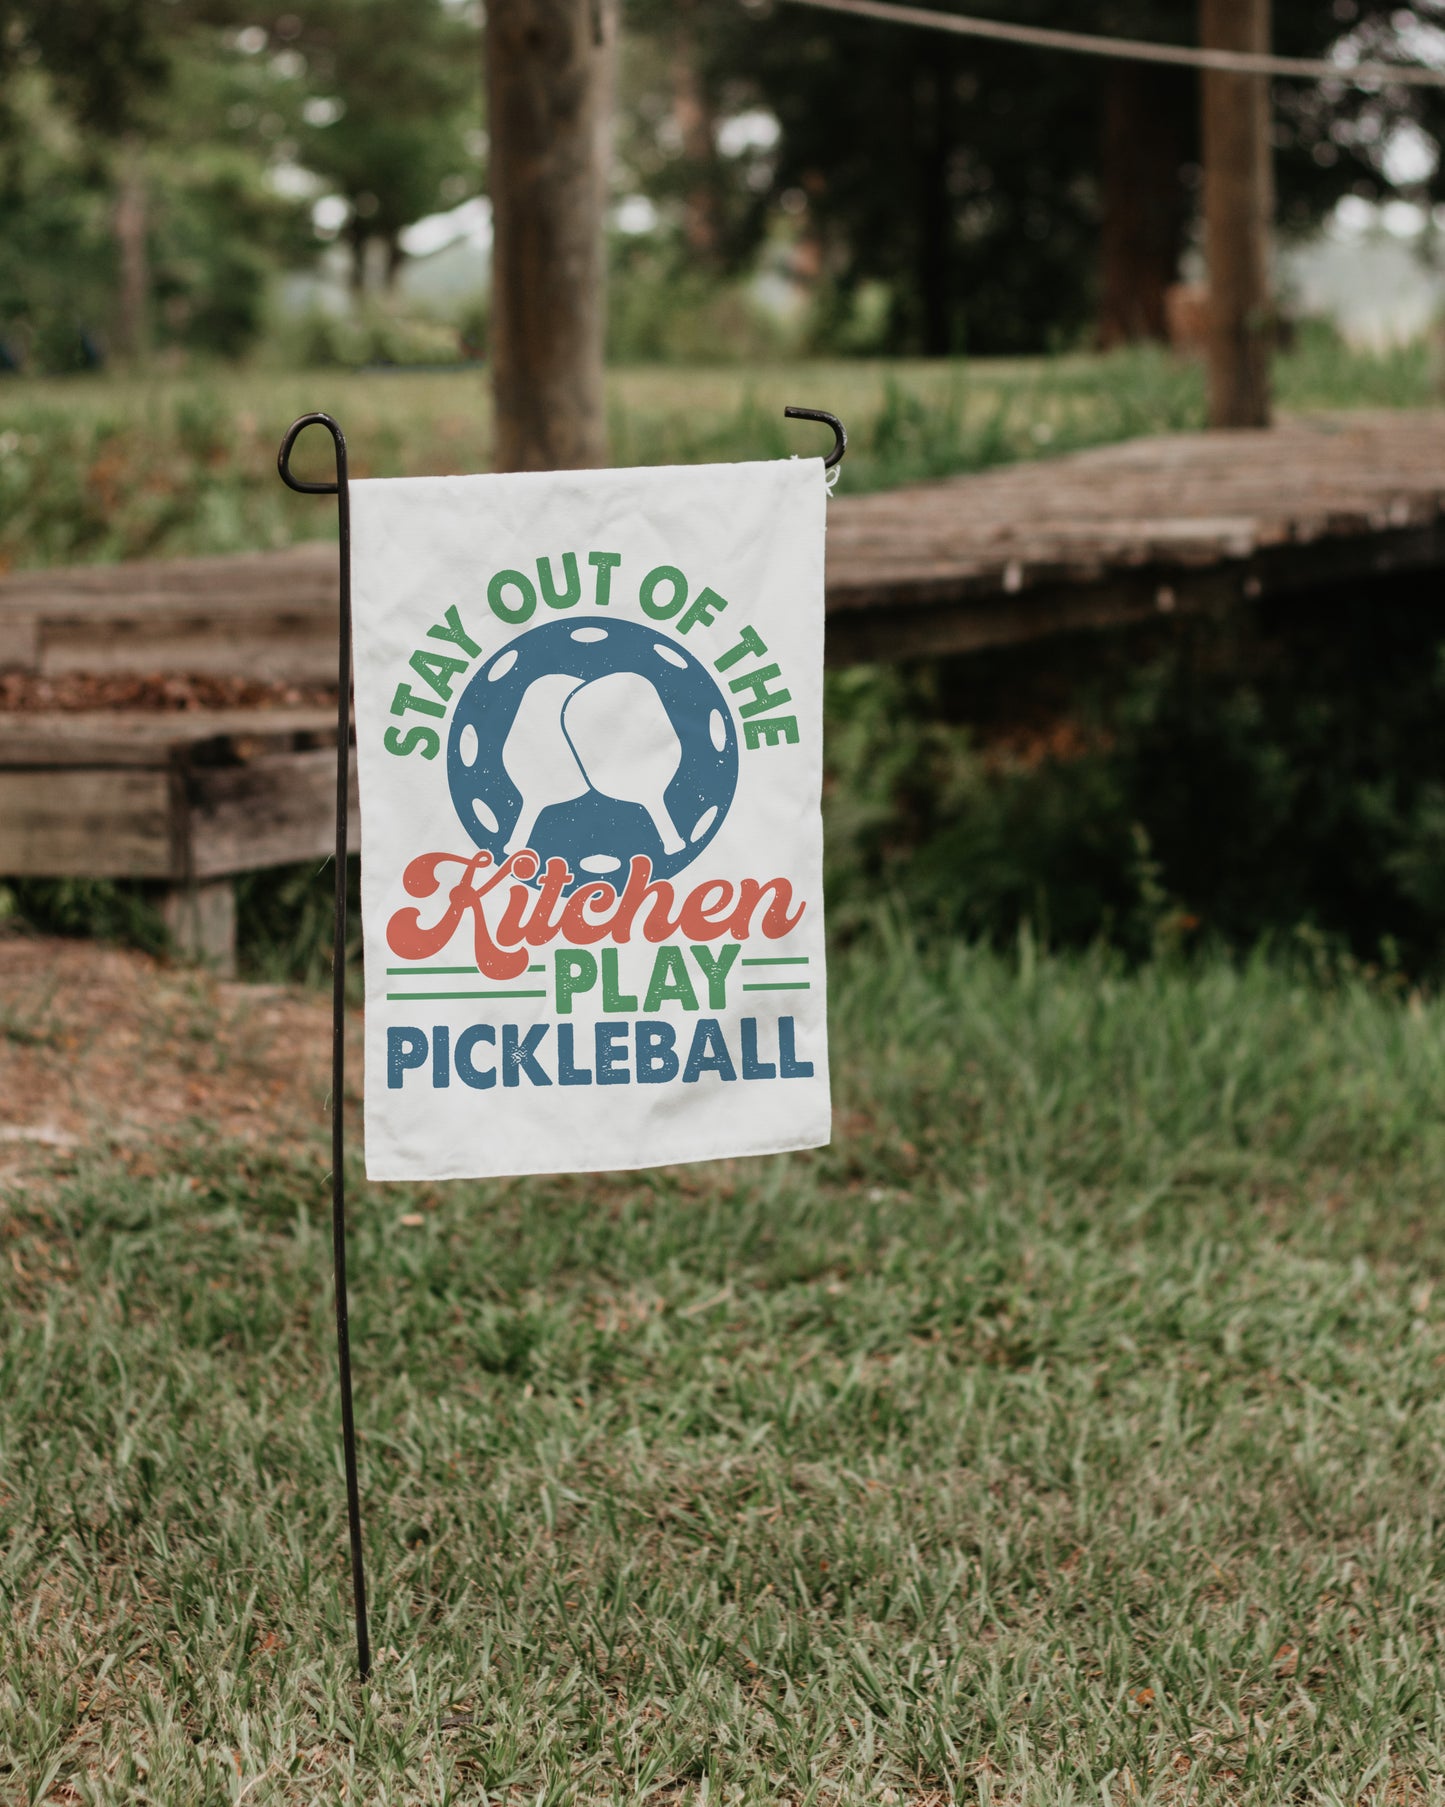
[{"x": 1100, "y": 539}]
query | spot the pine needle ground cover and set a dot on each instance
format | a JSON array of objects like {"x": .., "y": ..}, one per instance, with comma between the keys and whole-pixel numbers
[{"x": 1069, "y": 1431}]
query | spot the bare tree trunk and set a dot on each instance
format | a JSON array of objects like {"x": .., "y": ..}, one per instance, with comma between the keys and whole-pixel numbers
[
  {"x": 1144, "y": 200},
  {"x": 692, "y": 114},
  {"x": 132, "y": 225},
  {"x": 935, "y": 246},
  {"x": 548, "y": 101},
  {"x": 1238, "y": 209}
]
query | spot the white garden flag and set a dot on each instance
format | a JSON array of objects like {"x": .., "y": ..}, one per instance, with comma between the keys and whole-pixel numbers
[{"x": 589, "y": 720}]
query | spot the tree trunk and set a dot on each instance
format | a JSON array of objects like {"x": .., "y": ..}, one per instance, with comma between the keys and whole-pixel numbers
[
  {"x": 935, "y": 289},
  {"x": 1145, "y": 210},
  {"x": 1238, "y": 208},
  {"x": 132, "y": 227},
  {"x": 692, "y": 115},
  {"x": 548, "y": 93}
]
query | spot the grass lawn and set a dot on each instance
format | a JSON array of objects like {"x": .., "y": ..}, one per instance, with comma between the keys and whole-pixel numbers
[
  {"x": 1070, "y": 1431},
  {"x": 96, "y": 468}
]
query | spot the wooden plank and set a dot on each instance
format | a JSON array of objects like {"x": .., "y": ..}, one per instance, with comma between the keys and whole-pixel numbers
[
  {"x": 114, "y": 737},
  {"x": 259, "y": 640},
  {"x": 88, "y": 824},
  {"x": 272, "y": 811},
  {"x": 913, "y": 622},
  {"x": 1011, "y": 551}
]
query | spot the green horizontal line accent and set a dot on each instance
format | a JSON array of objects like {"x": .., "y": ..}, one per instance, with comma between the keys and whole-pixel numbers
[
  {"x": 778, "y": 960},
  {"x": 537, "y": 969},
  {"x": 433, "y": 997},
  {"x": 782, "y": 985},
  {"x": 425, "y": 972}
]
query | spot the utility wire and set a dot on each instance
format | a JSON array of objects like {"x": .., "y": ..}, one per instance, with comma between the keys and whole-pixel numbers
[{"x": 1135, "y": 50}]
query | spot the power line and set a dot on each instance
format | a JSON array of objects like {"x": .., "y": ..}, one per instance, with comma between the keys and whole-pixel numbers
[{"x": 1136, "y": 50}]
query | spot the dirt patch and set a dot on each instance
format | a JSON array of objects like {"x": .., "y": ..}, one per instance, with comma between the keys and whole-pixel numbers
[{"x": 105, "y": 1047}]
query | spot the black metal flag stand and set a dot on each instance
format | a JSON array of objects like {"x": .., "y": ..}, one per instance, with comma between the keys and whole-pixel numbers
[{"x": 340, "y": 489}]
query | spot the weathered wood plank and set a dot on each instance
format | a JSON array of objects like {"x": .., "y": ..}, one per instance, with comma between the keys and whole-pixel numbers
[
  {"x": 112, "y": 737},
  {"x": 271, "y": 811},
  {"x": 88, "y": 824},
  {"x": 1007, "y": 553}
]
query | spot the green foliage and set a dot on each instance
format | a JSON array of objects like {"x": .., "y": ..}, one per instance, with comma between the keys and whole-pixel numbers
[
  {"x": 1239, "y": 780},
  {"x": 967, "y": 181},
  {"x": 393, "y": 109},
  {"x": 1069, "y": 1430},
  {"x": 663, "y": 308}
]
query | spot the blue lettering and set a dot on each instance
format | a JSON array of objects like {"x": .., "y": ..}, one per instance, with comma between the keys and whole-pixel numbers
[
  {"x": 792, "y": 1067},
  {"x": 404, "y": 1048},
  {"x": 519, "y": 1054},
  {"x": 611, "y": 1043},
  {"x": 708, "y": 1053},
  {"x": 656, "y": 1061},
  {"x": 753, "y": 1068},
  {"x": 466, "y": 1046},
  {"x": 568, "y": 1073}
]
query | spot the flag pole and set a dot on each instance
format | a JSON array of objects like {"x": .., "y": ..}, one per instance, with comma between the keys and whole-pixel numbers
[{"x": 341, "y": 490}]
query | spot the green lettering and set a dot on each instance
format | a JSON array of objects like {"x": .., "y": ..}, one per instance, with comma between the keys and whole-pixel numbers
[
  {"x": 604, "y": 564},
  {"x": 550, "y": 594},
  {"x": 751, "y": 642},
  {"x": 576, "y": 971},
  {"x": 416, "y": 736},
  {"x": 772, "y": 729},
  {"x": 763, "y": 698},
  {"x": 706, "y": 608},
  {"x": 669, "y": 983},
  {"x": 664, "y": 574},
  {"x": 406, "y": 699},
  {"x": 513, "y": 614},
  {"x": 613, "y": 998},
  {"x": 455, "y": 632},
  {"x": 715, "y": 969},
  {"x": 438, "y": 670}
]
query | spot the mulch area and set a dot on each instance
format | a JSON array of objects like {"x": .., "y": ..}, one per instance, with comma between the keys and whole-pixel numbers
[{"x": 104, "y": 1048}]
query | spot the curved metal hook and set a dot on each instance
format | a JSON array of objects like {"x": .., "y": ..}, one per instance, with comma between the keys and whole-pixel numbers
[
  {"x": 840, "y": 434},
  {"x": 283, "y": 457}
]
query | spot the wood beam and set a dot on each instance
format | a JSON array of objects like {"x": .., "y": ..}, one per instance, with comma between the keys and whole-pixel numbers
[{"x": 1238, "y": 210}]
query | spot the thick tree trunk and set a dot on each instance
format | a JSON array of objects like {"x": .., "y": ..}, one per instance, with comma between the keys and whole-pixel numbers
[
  {"x": 1238, "y": 209},
  {"x": 132, "y": 229},
  {"x": 1145, "y": 212},
  {"x": 548, "y": 94}
]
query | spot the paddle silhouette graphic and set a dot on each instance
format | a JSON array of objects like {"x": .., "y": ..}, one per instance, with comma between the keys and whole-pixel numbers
[
  {"x": 627, "y": 745},
  {"x": 538, "y": 756},
  {"x": 611, "y": 735}
]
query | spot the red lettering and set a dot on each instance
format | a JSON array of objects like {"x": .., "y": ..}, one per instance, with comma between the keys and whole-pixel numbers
[
  {"x": 638, "y": 894},
  {"x": 537, "y": 925},
  {"x": 577, "y": 927},
  {"x": 410, "y": 940},
  {"x": 706, "y": 912},
  {"x": 776, "y": 921},
  {"x": 535, "y": 914}
]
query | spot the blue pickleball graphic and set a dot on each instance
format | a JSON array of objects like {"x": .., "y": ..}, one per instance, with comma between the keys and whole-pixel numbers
[{"x": 593, "y": 743}]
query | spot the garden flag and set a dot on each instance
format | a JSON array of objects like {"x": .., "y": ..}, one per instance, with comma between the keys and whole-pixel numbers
[{"x": 589, "y": 719}]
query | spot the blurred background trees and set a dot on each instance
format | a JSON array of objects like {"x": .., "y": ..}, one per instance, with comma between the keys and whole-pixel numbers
[{"x": 780, "y": 177}]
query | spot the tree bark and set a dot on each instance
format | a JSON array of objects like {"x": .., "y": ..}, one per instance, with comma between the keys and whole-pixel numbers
[
  {"x": 692, "y": 114},
  {"x": 549, "y": 68},
  {"x": 131, "y": 224},
  {"x": 1238, "y": 209},
  {"x": 1144, "y": 145},
  {"x": 935, "y": 244}
]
